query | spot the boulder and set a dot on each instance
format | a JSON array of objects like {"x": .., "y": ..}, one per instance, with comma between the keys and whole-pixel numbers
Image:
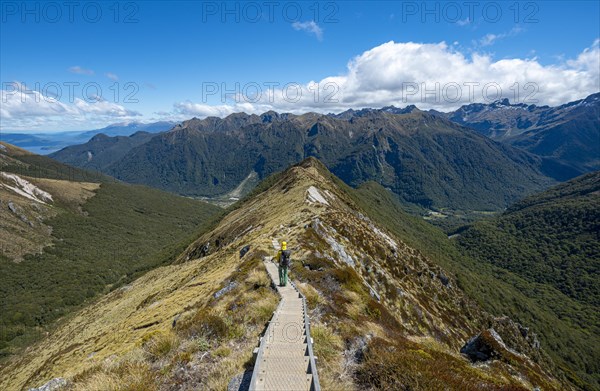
[
  {"x": 485, "y": 346},
  {"x": 444, "y": 279},
  {"x": 244, "y": 250}
]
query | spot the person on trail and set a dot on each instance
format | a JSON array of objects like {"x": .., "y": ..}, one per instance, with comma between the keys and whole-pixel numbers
[{"x": 284, "y": 258}]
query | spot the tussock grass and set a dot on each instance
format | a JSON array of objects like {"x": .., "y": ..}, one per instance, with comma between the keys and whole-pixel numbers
[
  {"x": 215, "y": 339},
  {"x": 222, "y": 351},
  {"x": 127, "y": 376},
  {"x": 313, "y": 298},
  {"x": 261, "y": 311},
  {"x": 329, "y": 348},
  {"x": 327, "y": 344},
  {"x": 162, "y": 344},
  {"x": 258, "y": 279},
  {"x": 404, "y": 365}
]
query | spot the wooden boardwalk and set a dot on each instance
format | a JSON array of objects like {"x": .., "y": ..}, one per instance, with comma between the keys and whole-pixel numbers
[{"x": 284, "y": 359}]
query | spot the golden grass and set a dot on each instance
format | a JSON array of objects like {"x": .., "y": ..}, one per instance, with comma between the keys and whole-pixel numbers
[
  {"x": 327, "y": 344},
  {"x": 328, "y": 348},
  {"x": 20, "y": 238},
  {"x": 218, "y": 335},
  {"x": 258, "y": 278},
  {"x": 162, "y": 344},
  {"x": 313, "y": 298},
  {"x": 66, "y": 191},
  {"x": 129, "y": 374},
  {"x": 116, "y": 323}
]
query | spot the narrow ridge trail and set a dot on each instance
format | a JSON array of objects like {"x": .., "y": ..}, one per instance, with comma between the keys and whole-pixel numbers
[{"x": 285, "y": 359}]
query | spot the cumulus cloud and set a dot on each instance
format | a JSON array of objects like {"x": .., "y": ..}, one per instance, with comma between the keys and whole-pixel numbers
[
  {"x": 80, "y": 71},
  {"x": 187, "y": 109},
  {"x": 427, "y": 75},
  {"x": 25, "y": 109},
  {"x": 310, "y": 27}
]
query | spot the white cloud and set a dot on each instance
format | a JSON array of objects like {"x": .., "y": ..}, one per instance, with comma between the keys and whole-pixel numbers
[
  {"x": 187, "y": 109},
  {"x": 81, "y": 71},
  {"x": 490, "y": 39},
  {"x": 432, "y": 75},
  {"x": 24, "y": 109},
  {"x": 427, "y": 75},
  {"x": 112, "y": 76},
  {"x": 464, "y": 22},
  {"x": 588, "y": 60},
  {"x": 310, "y": 27}
]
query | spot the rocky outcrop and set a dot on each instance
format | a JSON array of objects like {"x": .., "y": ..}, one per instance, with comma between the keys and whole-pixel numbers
[
  {"x": 53, "y": 385},
  {"x": 485, "y": 346}
]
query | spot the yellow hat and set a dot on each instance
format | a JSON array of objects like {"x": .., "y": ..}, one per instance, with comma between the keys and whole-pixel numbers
[{"x": 283, "y": 245}]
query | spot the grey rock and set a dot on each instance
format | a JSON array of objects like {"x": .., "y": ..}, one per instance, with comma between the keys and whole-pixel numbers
[
  {"x": 240, "y": 382},
  {"x": 444, "y": 279},
  {"x": 244, "y": 250},
  {"x": 226, "y": 289},
  {"x": 13, "y": 208},
  {"x": 479, "y": 349},
  {"x": 52, "y": 385}
]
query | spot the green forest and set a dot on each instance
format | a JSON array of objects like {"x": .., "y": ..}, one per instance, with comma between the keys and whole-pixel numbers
[{"x": 125, "y": 230}]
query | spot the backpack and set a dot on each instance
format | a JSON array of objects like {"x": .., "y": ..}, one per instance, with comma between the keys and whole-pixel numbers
[{"x": 285, "y": 258}]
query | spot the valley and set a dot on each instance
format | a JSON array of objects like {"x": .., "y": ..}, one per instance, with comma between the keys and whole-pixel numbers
[
  {"x": 287, "y": 196},
  {"x": 194, "y": 322},
  {"x": 77, "y": 240}
]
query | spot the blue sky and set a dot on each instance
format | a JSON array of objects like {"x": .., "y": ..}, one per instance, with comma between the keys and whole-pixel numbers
[{"x": 165, "y": 55}]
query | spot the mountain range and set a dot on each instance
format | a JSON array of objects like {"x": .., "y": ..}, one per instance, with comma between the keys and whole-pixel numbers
[
  {"x": 498, "y": 154},
  {"x": 427, "y": 160},
  {"x": 569, "y": 133},
  {"x": 45, "y": 143},
  {"x": 151, "y": 284}
]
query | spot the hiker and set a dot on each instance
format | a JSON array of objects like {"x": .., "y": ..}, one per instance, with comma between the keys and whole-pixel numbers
[{"x": 283, "y": 257}]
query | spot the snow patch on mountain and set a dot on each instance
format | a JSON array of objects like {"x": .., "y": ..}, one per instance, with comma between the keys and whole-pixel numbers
[{"x": 25, "y": 188}]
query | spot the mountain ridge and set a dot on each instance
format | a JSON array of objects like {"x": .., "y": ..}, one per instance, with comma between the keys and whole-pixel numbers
[
  {"x": 363, "y": 285},
  {"x": 426, "y": 159},
  {"x": 569, "y": 133}
]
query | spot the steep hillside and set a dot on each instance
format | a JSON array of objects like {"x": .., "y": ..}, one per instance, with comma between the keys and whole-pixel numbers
[
  {"x": 567, "y": 328},
  {"x": 425, "y": 159},
  {"x": 63, "y": 242},
  {"x": 384, "y": 315},
  {"x": 21, "y": 162},
  {"x": 568, "y": 134},
  {"x": 551, "y": 241},
  {"x": 552, "y": 238},
  {"x": 100, "y": 151}
]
